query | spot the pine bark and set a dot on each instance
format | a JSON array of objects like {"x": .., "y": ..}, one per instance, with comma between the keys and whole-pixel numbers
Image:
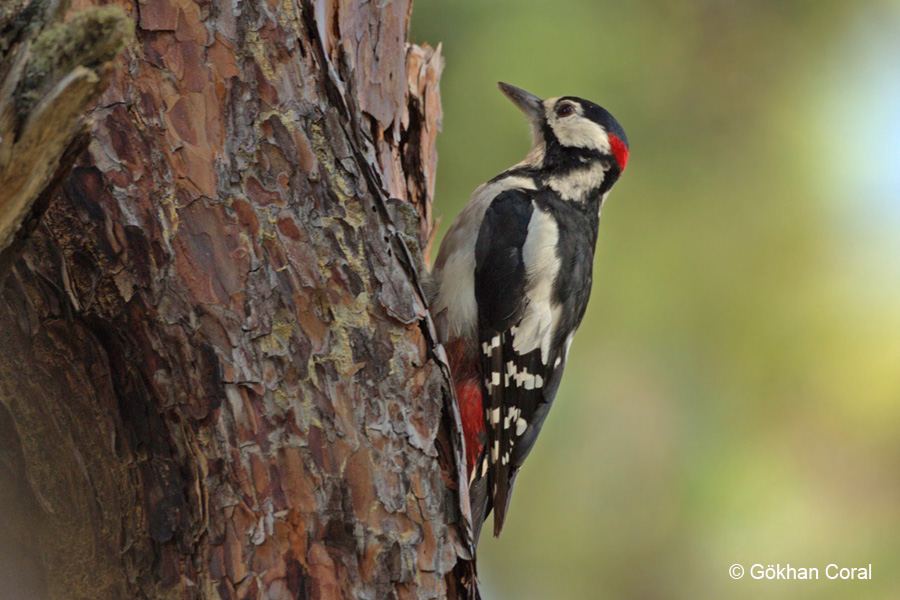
[{"x": 219, "y": 377}]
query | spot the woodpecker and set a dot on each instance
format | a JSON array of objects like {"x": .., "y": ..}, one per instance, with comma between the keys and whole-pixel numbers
[{"x": 513, "y": 277}]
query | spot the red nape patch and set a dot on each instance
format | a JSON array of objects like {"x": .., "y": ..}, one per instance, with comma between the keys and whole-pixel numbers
[
  {"x": 619, "y": 150},
  {"x": 468, "y": 394}
]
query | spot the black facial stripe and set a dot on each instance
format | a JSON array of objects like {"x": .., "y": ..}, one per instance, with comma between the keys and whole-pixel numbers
[
  {"x": 517, "y": 172},
  {"x": 558, "y": 157}
]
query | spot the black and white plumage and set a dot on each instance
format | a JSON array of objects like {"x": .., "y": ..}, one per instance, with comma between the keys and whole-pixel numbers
[{"x": 514, "y": 277}]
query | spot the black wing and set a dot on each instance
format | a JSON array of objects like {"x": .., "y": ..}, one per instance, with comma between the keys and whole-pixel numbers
[{"x": 519, "y": 386}]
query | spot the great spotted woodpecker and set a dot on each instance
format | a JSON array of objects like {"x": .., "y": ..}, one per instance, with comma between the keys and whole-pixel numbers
[{"x": 513, "y": 277}]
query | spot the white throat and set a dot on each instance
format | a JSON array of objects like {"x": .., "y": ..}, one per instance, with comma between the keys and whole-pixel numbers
[{"x": 579, "y": 183}]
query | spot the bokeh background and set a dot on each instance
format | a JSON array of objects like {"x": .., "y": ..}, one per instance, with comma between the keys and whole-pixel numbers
[{"x": 733, "y": 395}]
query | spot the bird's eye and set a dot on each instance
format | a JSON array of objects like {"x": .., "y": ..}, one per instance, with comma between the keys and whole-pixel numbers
[{"x": 564, "y": 110}]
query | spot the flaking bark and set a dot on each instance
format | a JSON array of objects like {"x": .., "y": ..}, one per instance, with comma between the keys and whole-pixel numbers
[{"x": 219, "y": 376}]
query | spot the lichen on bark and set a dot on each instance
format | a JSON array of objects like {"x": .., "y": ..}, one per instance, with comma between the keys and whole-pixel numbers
[{"x": 219, "y": 319}]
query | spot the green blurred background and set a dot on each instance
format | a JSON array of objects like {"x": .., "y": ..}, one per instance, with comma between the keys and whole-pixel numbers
[{"x": 733, "y": 395}]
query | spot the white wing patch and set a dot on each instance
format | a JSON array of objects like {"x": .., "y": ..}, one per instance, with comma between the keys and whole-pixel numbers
[
  {"x": 521, "y": 424},
  {"x": 488, "y": 348},
  {"x": 569, "y": 339},
  {"x": 513, "y": 376},
  {"x": 542, "y": 265}
]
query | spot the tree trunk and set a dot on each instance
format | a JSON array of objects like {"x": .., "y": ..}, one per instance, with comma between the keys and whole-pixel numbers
[{"x": 219, "y": 377}]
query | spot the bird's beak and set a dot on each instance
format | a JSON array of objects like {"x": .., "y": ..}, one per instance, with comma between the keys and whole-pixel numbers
[{"x": 531, "y": 105}]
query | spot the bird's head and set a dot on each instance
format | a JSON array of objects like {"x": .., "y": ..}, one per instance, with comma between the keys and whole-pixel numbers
[{"x": 569, "y": 131}]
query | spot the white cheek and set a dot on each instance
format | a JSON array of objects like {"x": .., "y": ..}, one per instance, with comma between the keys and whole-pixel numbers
[{"x": 577, "y": 132}]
